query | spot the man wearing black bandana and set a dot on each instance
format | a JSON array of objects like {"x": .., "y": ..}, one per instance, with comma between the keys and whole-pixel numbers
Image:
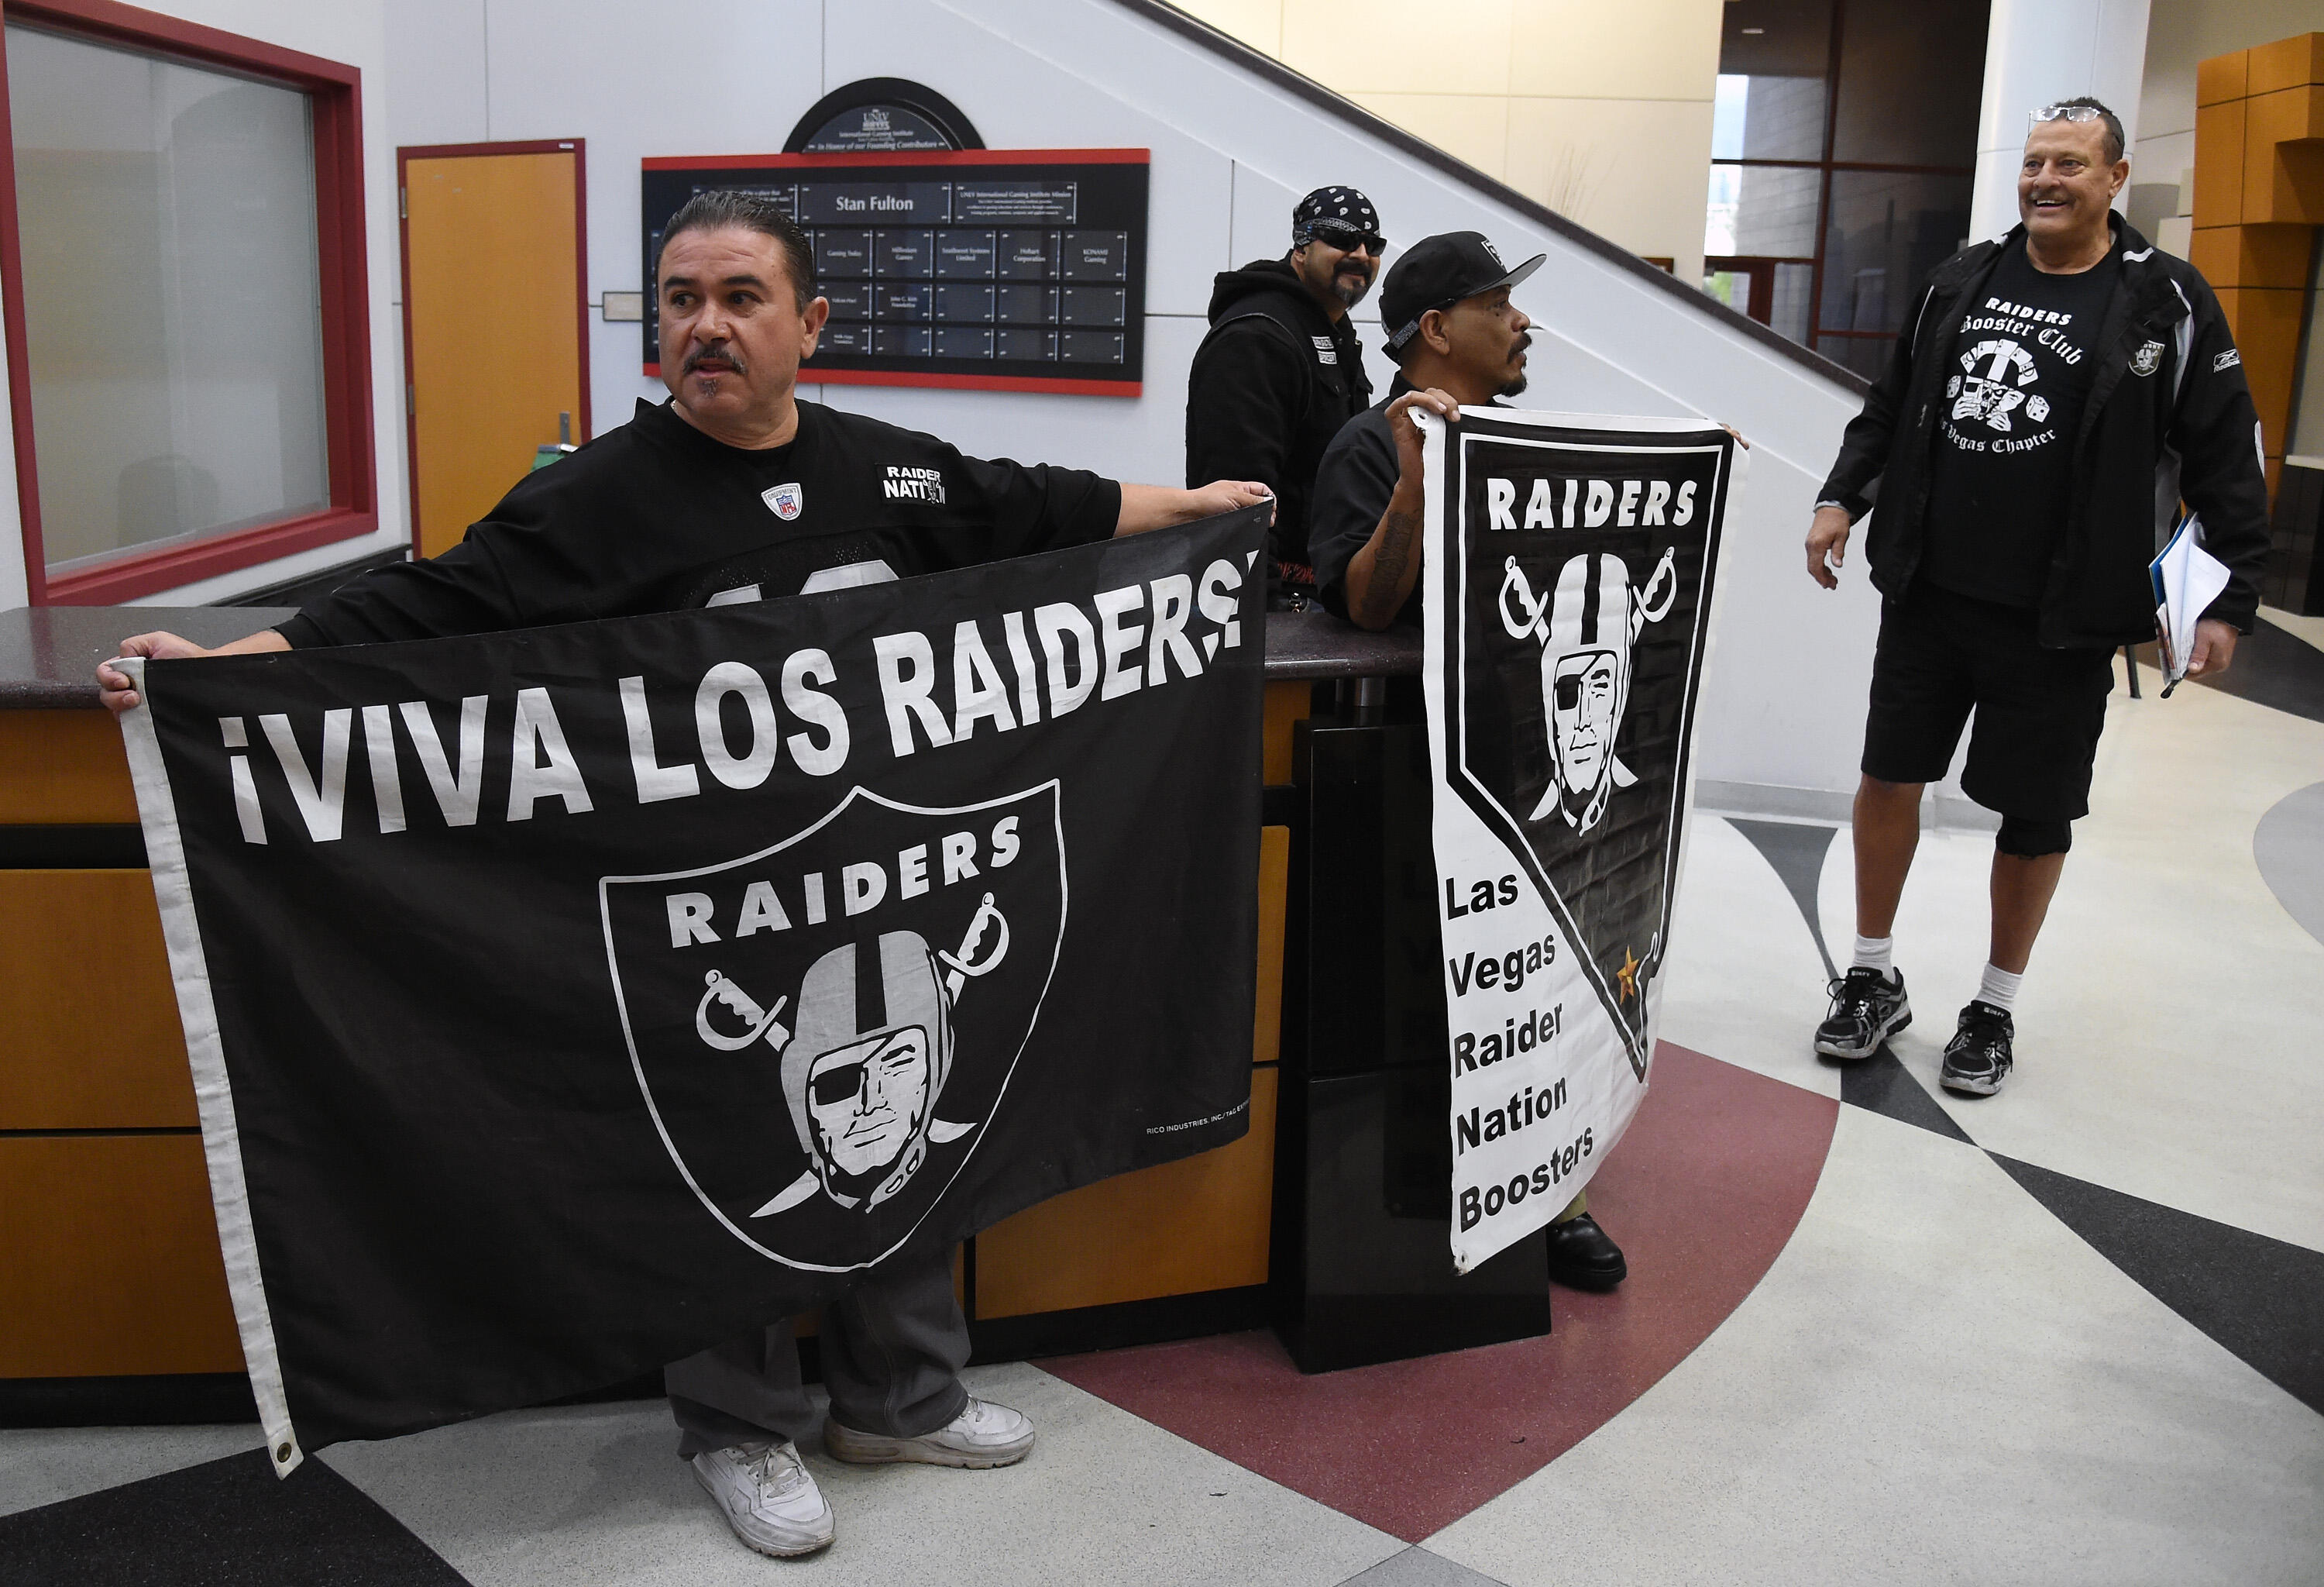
[{"x": 1281, "y": 369}]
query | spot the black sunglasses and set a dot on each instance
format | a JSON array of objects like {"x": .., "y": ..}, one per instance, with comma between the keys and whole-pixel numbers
[{"x": 1348, "y": 238}]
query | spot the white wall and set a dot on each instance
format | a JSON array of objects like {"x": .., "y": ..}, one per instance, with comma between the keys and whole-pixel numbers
[
  {"x": 1601, "y": 112},
  {"x": 1784, "y": 703},
  {"x": 352, "y": 32},
  {"x": 14, "y": 590}
]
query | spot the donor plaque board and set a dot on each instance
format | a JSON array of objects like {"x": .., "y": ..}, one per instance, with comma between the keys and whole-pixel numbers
[{"x": 1008, "y": 269}]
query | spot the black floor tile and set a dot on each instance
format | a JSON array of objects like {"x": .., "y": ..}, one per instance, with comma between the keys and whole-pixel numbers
[
  {"x": 2262, "y": 1298},
  {"x": 1882, "y": 1084},
  {"x": 225, "y": 1523},
  {"x": 2273, "y": 668},
  {"x": 1796, "y": 850}
]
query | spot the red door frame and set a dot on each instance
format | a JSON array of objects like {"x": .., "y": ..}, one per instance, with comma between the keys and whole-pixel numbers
[
  {"x": 577, "y": 147},
  {"x": 335, "y": 93}
]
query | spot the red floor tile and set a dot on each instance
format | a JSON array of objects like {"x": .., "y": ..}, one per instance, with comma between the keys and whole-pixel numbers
[{"x": 1701, "y": 1195}]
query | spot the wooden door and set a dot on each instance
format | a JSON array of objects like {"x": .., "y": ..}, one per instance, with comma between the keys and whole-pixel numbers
[{"x": 495, "y": 322}]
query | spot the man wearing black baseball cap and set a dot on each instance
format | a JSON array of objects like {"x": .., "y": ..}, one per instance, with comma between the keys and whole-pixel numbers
[
  {"x": 1457, "y": 338},
  {"x": 1281, "y": 369}
]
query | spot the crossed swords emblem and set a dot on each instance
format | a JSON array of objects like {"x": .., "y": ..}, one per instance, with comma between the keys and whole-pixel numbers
[{"x": 1560, "y": 621}]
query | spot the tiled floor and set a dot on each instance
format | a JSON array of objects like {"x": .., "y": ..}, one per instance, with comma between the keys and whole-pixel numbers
[{"x": 1874, "y": 1333}]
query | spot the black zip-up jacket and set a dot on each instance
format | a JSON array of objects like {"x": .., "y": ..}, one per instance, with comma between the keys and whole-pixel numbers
[
  {"x": 1272, "y": 382},
  {"x": 2168, "y": 417}
]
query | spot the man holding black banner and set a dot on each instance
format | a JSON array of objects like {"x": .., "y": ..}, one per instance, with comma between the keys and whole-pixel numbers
[
  {"x": 1457, "y": 338},
  {"x": 736, "y": 491}
]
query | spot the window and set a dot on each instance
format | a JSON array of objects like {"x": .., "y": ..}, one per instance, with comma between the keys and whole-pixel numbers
[
  {"x": 1844, "y": 134},
  {"x": 183, "y": 264}
]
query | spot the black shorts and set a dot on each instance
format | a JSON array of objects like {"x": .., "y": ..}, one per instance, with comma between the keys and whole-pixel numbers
[{"x": 2039, "y": 712}]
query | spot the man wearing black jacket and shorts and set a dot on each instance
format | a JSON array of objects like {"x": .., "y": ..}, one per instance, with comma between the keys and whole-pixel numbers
[
  {"x": 1281, "y": 369},
  {"x": 736, "y": 491},
  {"x": 2055, "y": 396}
]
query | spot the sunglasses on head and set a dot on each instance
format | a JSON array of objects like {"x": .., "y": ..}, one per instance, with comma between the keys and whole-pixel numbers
[
  {"x": 2063, "y": 112},
  {"x": 1348, "y": 238}
]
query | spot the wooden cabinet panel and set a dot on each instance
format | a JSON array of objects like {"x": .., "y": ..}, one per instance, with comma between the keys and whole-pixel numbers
[
  {"x": 111, "y": 1260},
  {"x": 2219, "y": 164},
  {"x": 1285, "y": 704},
  {"x": 1180, "y": 1227},
  {"x": 64, "y": 766},
  {"x": 89, "y": 1037},
  {"x": 1274, "y": 888}
]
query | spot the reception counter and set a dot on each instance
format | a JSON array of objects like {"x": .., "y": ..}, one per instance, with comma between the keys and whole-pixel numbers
[{"x": 115, "y": 1305}]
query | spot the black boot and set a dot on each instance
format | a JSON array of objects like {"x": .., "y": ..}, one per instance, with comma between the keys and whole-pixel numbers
[{"x": 1581, "y": 1256}]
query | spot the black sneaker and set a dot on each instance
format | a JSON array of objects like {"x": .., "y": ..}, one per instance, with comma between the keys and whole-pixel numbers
[
  {"x": 1978, "y": 1059},
  {"x": 1867, "y": 1010}
]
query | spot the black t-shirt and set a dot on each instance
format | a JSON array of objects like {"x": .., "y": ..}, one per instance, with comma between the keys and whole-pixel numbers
[
  {"x": 2002, "y": 469},
  {"x": 1353, "y": 488},
  {"x": 655, "y": 516}
]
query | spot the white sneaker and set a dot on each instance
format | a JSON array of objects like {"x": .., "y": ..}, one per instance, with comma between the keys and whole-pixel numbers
[
  {"x": 767, "y": 1496},
  {"x": 983, "y": 1435}
]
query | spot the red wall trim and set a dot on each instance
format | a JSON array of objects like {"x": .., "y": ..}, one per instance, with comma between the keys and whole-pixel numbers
[
  {"x": 140, "y": 29},
  {"x": 1058, "y": 384},
  {"x": 584, "y": 427},
  {"x": 907, "y": 157},
  {"x": 145, "y": 572},
  {"x": 335, "y": 92}
]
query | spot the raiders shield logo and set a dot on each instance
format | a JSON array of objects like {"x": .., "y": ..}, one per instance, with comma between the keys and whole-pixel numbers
[
  {"x": 2147, "y": 359},
  {"x": 1581, "y": 609},
  {"x": 824, "y": 1029},
  {"x": 785, "y": 500}
]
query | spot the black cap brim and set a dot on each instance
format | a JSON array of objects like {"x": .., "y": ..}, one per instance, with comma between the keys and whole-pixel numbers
[{"x": 1400, "y": 335}]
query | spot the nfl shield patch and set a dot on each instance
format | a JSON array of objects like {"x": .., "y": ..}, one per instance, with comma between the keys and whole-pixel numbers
[{"x": 785, "y": 500}]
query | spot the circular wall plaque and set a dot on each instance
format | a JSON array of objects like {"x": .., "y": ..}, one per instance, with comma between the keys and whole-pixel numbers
[{"x": 878, "y": 115}]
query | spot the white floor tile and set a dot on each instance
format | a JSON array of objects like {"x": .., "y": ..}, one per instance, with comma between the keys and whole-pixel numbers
[
  {"x": 2167, "y": 1028},
  {"x": 1937, "y": 1382},
  {"x": 42, "y": 1465},
  {"x": 596, "y": 1494},
  {"x": 1744, "y": 983}
]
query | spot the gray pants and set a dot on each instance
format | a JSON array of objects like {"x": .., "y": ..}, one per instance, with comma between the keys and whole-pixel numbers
[{"x": 893, "y": 1344}]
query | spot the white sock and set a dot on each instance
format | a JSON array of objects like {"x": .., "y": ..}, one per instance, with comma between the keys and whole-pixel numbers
[
  {"x": 1872, "y": 954},
  {"x": 1999, "y": 987}
]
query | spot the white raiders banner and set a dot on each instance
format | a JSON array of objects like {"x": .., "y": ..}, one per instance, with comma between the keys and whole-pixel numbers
[
  {"x": 1567, "y": 587},
  {"x": 563, "y": 1002}
]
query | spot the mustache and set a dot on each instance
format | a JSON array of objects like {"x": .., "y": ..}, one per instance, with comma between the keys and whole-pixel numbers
[{"x": 719, "y": 351}]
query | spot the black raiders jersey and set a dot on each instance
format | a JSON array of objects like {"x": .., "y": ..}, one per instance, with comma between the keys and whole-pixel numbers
[{"x": 656, "y": 516}]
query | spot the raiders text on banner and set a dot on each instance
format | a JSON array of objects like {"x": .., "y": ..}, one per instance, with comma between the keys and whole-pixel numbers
[
  {"x": 1567, "y": 571},
  {"x": 565, "y": 1000}
]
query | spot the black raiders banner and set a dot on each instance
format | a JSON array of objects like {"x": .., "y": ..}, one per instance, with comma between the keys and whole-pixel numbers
[
  {"x": 1568, "y": 578},
  {"x": 563, "y": 1002}
]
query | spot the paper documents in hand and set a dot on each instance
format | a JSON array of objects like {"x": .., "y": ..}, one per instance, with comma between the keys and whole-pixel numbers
[{"x": 2186, "y": 580}]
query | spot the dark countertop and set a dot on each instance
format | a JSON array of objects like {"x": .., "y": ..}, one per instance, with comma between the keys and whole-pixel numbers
[
  {"x": 1316, "y": 644},
  {"x": 49, "y": 655}
]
